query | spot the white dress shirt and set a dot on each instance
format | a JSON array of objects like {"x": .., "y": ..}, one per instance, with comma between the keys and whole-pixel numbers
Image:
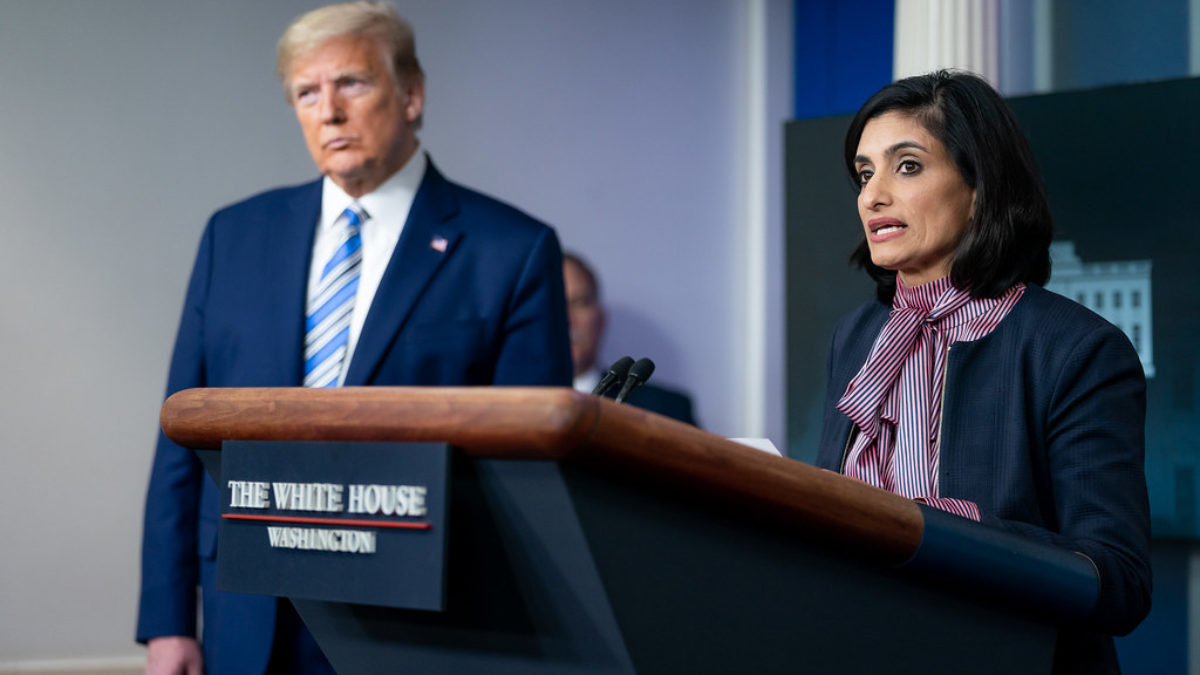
[{"x": 387, "y": 210}]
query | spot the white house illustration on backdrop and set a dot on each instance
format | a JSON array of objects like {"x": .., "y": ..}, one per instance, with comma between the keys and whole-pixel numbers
[{"x": 1118, "y": 291}]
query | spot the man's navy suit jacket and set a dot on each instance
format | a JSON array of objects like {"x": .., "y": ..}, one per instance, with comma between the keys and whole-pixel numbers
[{"x": 488, "y": 309}]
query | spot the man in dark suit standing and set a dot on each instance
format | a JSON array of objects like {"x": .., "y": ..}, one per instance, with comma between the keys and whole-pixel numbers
[
  {"x": 588, "y": 321},
  {"x": 380, "y": 273}
]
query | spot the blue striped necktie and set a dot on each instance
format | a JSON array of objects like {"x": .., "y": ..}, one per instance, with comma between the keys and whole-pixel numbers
[{"x": 331, "y": 305}]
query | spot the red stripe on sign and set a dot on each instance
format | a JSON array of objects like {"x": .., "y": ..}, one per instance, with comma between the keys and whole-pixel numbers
[{"x": 332, "y": 521}]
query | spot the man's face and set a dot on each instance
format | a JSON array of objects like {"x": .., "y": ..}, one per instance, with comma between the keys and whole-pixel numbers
[
  {"x": 585, "y": 318},
  {"x": 357, "y": 120}
]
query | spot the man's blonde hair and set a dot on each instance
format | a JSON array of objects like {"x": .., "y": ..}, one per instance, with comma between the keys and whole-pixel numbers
[{"x": 377, "y": 20}]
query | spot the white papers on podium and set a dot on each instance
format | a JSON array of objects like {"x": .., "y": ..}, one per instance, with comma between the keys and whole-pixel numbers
[{"x": 763, "y": 444}]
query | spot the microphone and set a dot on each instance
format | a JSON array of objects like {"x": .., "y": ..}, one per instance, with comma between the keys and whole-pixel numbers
[
  {"x": 638, "y": 374},
  {"x": 615, "y": 375}
]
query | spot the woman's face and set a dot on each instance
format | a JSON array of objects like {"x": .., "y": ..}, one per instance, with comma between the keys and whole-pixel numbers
[{"x": 913, "y": 202}]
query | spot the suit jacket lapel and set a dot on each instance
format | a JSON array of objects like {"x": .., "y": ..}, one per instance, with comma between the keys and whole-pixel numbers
[
  {"x": 428, "y": 239},
  {"x": 850, "y": 361},
  {"x": 287, "y": 284}
]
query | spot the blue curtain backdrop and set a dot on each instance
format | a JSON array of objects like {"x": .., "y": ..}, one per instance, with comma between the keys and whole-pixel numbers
[{"x": 843, "y": 54}]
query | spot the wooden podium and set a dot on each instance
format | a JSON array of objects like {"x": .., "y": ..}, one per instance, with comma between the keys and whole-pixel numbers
[{"x": 588, "y": 536}]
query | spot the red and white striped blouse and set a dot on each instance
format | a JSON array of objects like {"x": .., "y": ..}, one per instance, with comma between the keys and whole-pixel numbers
[{"x": 895, "y": 400}]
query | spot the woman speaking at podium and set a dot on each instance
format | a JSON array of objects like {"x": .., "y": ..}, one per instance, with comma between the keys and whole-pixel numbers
[{"x": 965, "y": 385}]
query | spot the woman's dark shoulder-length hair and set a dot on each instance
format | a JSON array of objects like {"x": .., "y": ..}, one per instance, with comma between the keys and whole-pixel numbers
[{"x": 1008, "y": 238}]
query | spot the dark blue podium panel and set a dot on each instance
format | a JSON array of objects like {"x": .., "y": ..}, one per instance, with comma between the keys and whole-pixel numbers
[
  {"x": 561, "y": 570},
  {"x": 362, "y": 523}
]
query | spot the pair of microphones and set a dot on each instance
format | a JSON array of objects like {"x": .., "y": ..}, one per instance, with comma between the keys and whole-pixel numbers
[{"x": 628, "y": 374}]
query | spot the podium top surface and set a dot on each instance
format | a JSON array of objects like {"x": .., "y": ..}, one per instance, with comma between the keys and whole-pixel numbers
[{"x": 558, "y": 424}]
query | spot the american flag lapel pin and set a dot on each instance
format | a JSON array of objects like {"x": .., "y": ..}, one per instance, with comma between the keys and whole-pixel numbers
[{"x": 438, "y": 243}]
